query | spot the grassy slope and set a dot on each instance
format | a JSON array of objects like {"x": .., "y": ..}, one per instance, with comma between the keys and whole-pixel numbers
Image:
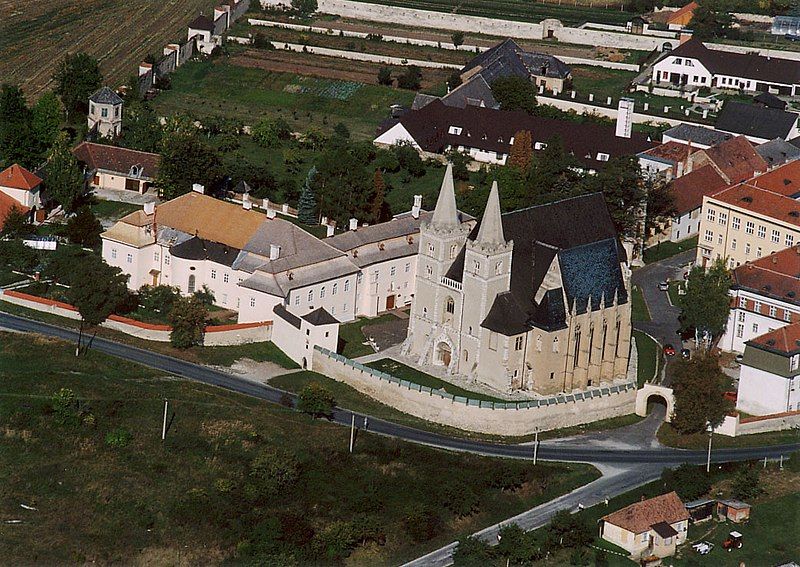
[
  {"x": 668, "y": 249},
  {"x": 639, "y": 311},
  {"x": 649, "y": 355},
  {"x": 154, "y": 502}
]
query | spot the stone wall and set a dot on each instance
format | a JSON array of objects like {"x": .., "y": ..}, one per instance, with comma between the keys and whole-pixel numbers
[
  {"x": 358, "y": 56},
  {"x": 511, "y": 419},
  {"x": 583, "y": 108}
]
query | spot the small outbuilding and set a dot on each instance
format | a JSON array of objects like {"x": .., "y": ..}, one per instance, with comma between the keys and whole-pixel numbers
[
  {"x": 700, "y": 510},
  {"x": 734, "y": 510}
]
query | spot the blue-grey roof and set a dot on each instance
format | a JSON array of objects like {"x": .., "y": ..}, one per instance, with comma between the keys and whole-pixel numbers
[
  {"x": 105, "y": 96},
  {"x": 475, "y": 92},
  {"x": 754, "y": 120},
  {"x": 592, "y": 272},
  {"x": 199, "y": 249},
  {"x": 777, "y": 152},
  {"x": 508, "y": 59},
  {"x": 698, "y": 134}
]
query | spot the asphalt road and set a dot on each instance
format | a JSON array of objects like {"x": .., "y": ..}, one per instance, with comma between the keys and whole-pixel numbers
[{"x": 547, "y": 451}]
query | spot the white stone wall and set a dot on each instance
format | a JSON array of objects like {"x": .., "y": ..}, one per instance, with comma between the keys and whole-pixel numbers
[
  {"x": 764, "y": 393},
  {"x": 358, "y": 56},
  {"x": 28, "y": 199},
  {"x": 298, "y": 344},
  {"x": 377, "y": 283},
  {"x": 685, "y": 226}
]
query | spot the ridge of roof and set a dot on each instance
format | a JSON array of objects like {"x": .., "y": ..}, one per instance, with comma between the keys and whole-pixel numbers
[{"x": 17, "y": 177}]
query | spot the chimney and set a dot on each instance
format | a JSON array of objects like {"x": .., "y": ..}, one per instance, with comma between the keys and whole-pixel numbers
[
  {"x": 353, "y": 224},
  {"x": 624, "y": 118},
  {"x": 679, "y": 173},
  {"x": 150, "y": 208},
  {"x": 329, "y": 230},
  {"x": 247, "y": 204},
  {"x": 198, "y": 188},
  {"x": 274, "y": 251},
  {"x": 417, "y": 206},
  {"x": 270, "y": 213}
]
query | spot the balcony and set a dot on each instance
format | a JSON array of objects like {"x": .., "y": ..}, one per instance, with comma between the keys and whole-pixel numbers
[{"x": 452, "y": 284}]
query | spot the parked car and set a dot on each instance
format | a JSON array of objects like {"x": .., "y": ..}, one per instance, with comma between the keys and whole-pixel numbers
[
  {"x": 669, "y": 350},
  {"x": 663, "y": 286}
]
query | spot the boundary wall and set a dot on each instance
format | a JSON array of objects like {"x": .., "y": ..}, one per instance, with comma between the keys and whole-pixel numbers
[
  {"x": 736, "y": 425},
  {"x": 511, "y": 418}
]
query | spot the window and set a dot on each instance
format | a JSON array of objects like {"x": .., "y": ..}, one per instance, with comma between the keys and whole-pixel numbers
[
  {"x": 428, "y": 271},
  {"x": 689, "y": 63},
  {"x": 733, "y": 244},
  {"x": 757, "y": 307},
  {"x": 166, "y": 259},
  {"x": 555, "y": 344},
  {"x": 762, "y": 231},
  {"x": 375, "y": 275},
  {"x": 498, "y": 267},
  {"x": 678, "y": 61},
  {"x": 156, "y": 256},
  {"x": 709, "y": 236},
  {"x": 453, "y": 251},
  {"x": 739, "y": 331},
  {"x": 104, "y": 112},
  {"x": 787, "y": 315},
  {"x": 333, "y": 311},
  {"x": 252, "y": 302},
  {"x": 747, "y": 249},
  {"x": 749, "y": 227},
  {"x": 723, "y": 218},
  {"x": 224, "y": 298},
  {"x": 310, "y": 295},
  {"x": 408, "y": 267},
  {"x": 755, "y": 328},
  {"x": 539, "y": 343},
  {"x": 773, "y": 311},
  {"x": 130, "y": 258},
  {"x": 430, "y": 249},
  {"x": 576, "y": 357},
  {"x": 113, "y": 252},
  {"x": 226, "y": 278},
  {"x": 758, "y": 252},
  {"x": 455, "y": 130},
  {"x": 116, "y": 112},
  {"x": 297, "y": 299},
  {"x": 711, "y": 215},
  {"x": 346, "y": 285},
  {"x": 741, "y": 317},
  {"x": 776, "y": 236},
  {"x": 335, "y": 289},
  {"x": 736, "y": 223},
  {"x": 393, "y": 271},
  {"x": 93, "y": 109},
  {"x": 344, "y": 308},
  {"x": 518, "y": 343},
  {"x": 190, "y": 285},
  {"x": 476, "y": 267},
  {"x": 602, "y": 157},
  {"x": 719, "y": 238},
  {"x": 450, "y": 305},
  {"x": 213, "y": 274},
  {"x": 322, "y": 292},
  {"x": 789, "y": 241},
  {"x": 742, "y": 302}
]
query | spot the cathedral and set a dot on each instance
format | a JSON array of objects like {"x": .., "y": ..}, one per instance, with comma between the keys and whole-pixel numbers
[{"x": 536, "y": 299}]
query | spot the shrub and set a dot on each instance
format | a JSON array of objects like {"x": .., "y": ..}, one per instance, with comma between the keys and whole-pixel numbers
[
  {"x": 460, "y": 498},
  {"x": 746, "y": 483},
  {"x": 385, "y": 76},
  {"x": 188, "y": 320},
  {"x": 422, "y": 522},
  {"x": 472, "y": 552},
  {"x": 118, "y": 437},
  {"x": 411, "y": 79},
  {"x": 567, "y": 530},
  {"x": 159, "y": 299},
  {"x": 690, "y": 482},
  {"x": 272, "y": 471},
  {"x": 316, "y": 400},
  {"x": 68, "y": 409}
]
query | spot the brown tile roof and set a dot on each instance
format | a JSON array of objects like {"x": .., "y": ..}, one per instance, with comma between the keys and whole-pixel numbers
[
  {"x": 737, "y": 159},
  {"x": 672, "y": 151},
  {"x": 639, "y": 517},
  {"x": 785, "y": 340},
  {"x": 119, "y": 160},
  {"x": 784, "y": 180},
  {"x": 688, "y": 191},
  {"x": 776, "y": 276},
  {"x": 761, "y": 201},
  {"x": 6, "y": 205},
  {"x": 683, "y": 15},
  {"x": 17, "y": 177}
]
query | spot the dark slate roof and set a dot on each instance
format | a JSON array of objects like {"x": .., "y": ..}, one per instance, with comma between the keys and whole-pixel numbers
[
  {"x": 492, "y": 130},
  {"x": 777, "y": 152},
  {"x": 475, "y": 92},
  {"x": 320, "y": 317},
  {"x": 581, "y": 233},
  {"x": 290, "y": 318},
  {"x": 697, "y": 134},
  {"x": 105, "y": 96},
  {"x": 754, "y": 120},
  {"x": 508, "y": 59},
  {"x": 202, "y": 23},
  {"x": 199, "y": 249},
  {"x": 770, "y": 100},
  {"x": 746, "y": 65}
]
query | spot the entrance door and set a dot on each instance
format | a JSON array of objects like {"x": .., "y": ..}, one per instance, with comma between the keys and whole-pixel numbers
[
  {"x": 389, "y": 302},
  {"x": 444, "y": 354}
]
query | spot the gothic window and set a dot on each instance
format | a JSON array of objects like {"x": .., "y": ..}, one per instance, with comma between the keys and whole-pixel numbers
[
  {"x": 518, "y": 343},
  {"x": 335, "y": 289},
  {"x": 453, "y": 251},
  {"x": 498, "y": 267},
  {"x": 476, "y": 267},
  {"x": 429, "y": 271},
  {"x": 492, "y": 340},
  {"x": 466, "y": 355},
  {"x": 539, "y": 343},
  {"x": 190, "y": 286},
  {"x": 430, "y": 249},
  {"x": 591, "y": 342},
  {"x": 616, "y": 345},
  {"x": 603, "y": 348},
  {"x": 450, "y": 305},
  {"x": 555, "y": 344},
  {"x": 576, "y": 358}
]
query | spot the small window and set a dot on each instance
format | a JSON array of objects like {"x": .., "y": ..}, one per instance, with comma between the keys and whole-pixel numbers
[
  {"x": 773, "y": 311},
  {"x": 736, "y": 223},
  {"x": 310, "y": 295},
  {"x": 297, "y": 299},
  {"x": 555, "y": 346},
  {"x": 104, "y": 112},
  {"x": 733, "y": 244},
  {"x": 322, "y": 292},
  {"x": 393, "y": 271},
  {"x": 723, "y": 218},
  {"x": 739, "y": 331},
  {"x": 709, "y": 236},
  {"x": 711, "y": 215},
  {"x": 347, "y": 285},
  {"x": 335, "y": 289},
  {"x": 213, "y": 274},
  {"x": 498, "y": 267},
  {"x": 450, "y": 305},
  {"x": 755, "y": 328},
  {"x": 762, "y": 231},
  {"x": 603, "y": 157},
  {"x": 252, "y": 302},
  {"x": 518, "y": 343},
  {"x": 455, "y": 130},
  {"x": 749, "y": 227},
  {"x": 776, "y": 236},
  {"x": 226, "y": 278},
  {"x": 113, "y": 252},
  {"x": 130, "y": 258},
  {"x": 408, "y": 267},
  {"x": 757, "y": 307},
  {"x": 492, "y": 340},
  {"x": 742, "y": 302},
  {"x": 156, "y": 256},
  {"x": 166, "y": 259}
]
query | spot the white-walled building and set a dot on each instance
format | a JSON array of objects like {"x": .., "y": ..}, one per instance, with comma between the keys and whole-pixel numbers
[
  {"x": 111, "y": 167},
  {"x": 105, "y": 113},
  {"x": 202, "y": 31},
  {"x": 769, "y": 381},
  {"x": 22, "y": 186}
]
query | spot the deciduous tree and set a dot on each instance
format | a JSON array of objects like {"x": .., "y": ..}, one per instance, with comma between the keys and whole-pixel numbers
[
  {"x": 385, "y": 76},
  {"x": 46, "y": 117},
  {"x": 17, "y": 145},
  {"x": 697, "y": 385},
  {"x": 457, "y": 37},
  {"x": 316, "y": 400},
  {"x": 141, "y": 128},
  {"x": 63, "y": 177},
  {"x": 521, "y": 151},
  {"x": 16, "y": 223},
  {"x": 515, "y": 93},
  {"x": 410, "y": 79},
  {"x": 84, "y": 228},
  {"x": 706, "y": 304},
  {"x": 188, "y": 320},
  {"x": 187, "y": 159},
  {"x": 77, "y": 77},
  {"x": 747, "y": 483}
]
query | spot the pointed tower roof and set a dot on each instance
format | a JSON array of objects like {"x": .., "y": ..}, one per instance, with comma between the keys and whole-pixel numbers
[
  {"x": 446, "y": 214},
  {"x": 491, "y": 229}
]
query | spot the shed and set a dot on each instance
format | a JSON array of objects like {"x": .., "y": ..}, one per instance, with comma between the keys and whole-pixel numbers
[
  {"x": 734, "y": 510},
  {"x": 700, "y": 510}
]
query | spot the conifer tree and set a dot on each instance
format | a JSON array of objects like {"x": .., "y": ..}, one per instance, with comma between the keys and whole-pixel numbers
[
  {"x": 379, "y": 196},
  {"x": 306, "y": 207}
]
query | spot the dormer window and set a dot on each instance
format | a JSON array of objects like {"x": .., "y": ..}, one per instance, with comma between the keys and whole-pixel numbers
[
  {"x": 540, "y": 145},
  {"x": 455, "y": 130},
  {"x": 136, "y": 171},
  {"x": 602, "y": 157},
  {"x": 678, "y": 61}
]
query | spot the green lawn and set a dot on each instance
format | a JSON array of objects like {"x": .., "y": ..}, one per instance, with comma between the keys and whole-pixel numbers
[
  {"x": 674, "y": 286},
  {"x": 667, "y": 435},
  {"x": 112, "y": 209},
  {"x": 259, "y": 352},
  {"x": 352, "y": 339},
  {"x": 403, "y": 372},
  {"x": 650, "y": 357},
  {"x": 602, "y": 82},
  {"x": 236, "y": 481},
  {"x": 668, "y": 249},
  {"x": 639, "y": 311},
  {"x": 8, "y": 277}
]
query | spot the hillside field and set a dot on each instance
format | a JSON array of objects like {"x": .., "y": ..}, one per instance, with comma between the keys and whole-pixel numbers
[{"x": 120, "y": 33}]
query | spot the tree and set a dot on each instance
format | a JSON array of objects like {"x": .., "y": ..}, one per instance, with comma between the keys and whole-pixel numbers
[
  {"x": 689, "y": 481},
  {"x": 341, "y": 131},
  {"x": 316, "y": 400},
  {"x": 410, "y": 79},
  {"x": 454, "y": 80},
  {"x": 77, "y": 77},
  {"x": 84, "y": 228},
  {"x": 16, "y": 223},
  {"x": 187, "y": 159},
  {"x": 422, "y": 522},
  {"x": 521, "y": 151},
  {"x": 409, "y": 159},
  {"x": 472, "y": 552},
  {"x": 746, "y": 483},
  {"x": 457, "y": 37},
  {"x": 263, "y": 184},
  {"x": 159, "y": 298},
  {"x": 307, "y": 207},
  {"x": 304, "y": 7},
  {"x": 15, "y": 255},
  {"x": 385, "y": 76},
  {"x": 515, "y": 93},
  {"x": 380, "y": 208},
  {"x": 46, "y": 116},
  {"x": 63, "y": 177},
  {"x": 567, "y": 530},
  {"x": 141, "y": 128},
  {"x": 269, "y": 133},
  {"x": 188, "y": 320},
  {"x": 623, "y": 188},
  {"x": 711, "y": 21},
  {"x": 16, "y": 143},
  {"x": 706, "y": 304},
  {"x": 697, "y": 387},
  {"x": 205, "y": 296}
]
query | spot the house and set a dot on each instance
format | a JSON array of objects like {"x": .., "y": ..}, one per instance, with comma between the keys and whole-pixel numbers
[
  {"x": 22, "y": 186},
  {"x": 111, "y": 167},
  {"x": 475, "y": 92},
  {"x": 201, "y": 29},
  {"x": 692, "y": 65},
  {"x": 508, "y": 59},
  {"x": 769, "y": 100},
  {"x": 777, "y": 152},
  {"x": 105, "y": 113},
  {"x": 769, "y": 382},
  {"x": 667, "y": 160},
  {"x": 753, "y": 219},
  {"x": 698, "y": 136},
  {"x": 765, "y": 296},
  {"x": 681, "y": 17},
  {"x": 759, "y": 123},
  {"x": 8, "y": 204},
  {"x": 298, "y": 335},
  {"x": 687, "y": 194},
  {"x": 650, "y": 528},
  {"x": 734, "y": 510},
  {"x": 487, "y": 135},
  {"x": 535, "y": 299}
]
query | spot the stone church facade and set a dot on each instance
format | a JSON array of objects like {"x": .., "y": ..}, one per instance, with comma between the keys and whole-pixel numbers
[{"x": 535, "y": 299}]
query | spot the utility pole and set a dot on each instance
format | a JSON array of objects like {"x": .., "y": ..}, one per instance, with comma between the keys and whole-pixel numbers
[
  {"x": 352, "y": 431},
  {"x": 708, "y": 460},
  {"x": 535, "y": 444},
  {"x": 164, "y": 426}
]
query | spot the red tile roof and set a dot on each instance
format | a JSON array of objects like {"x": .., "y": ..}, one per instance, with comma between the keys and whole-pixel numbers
[
  {"x": 6, "y": 205},
  {"x": 688, "y": 191},
  {"x": 776, "y": 275},
  {"x": 761, "y": 201},
  {"x": 784, "y": 180},
  {"x": 784, "y": 340},
  {"x": 118, "y": 160},
  {"x": 737, "y": 159},
  {"x": 686, "y": 11},
  {"x": 672, "y": 151},
  {"x": 639, "y": 517},
  {"x": 17, "y": 177}
]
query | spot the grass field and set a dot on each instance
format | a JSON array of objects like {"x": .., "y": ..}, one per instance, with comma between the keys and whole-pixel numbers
[
  {"x": 352, "y": 339},
  {"x": 120, "y": 33},
  {"x": 639, "y": 311},
  {"x": 106, "y": 489},
  {"x": 650, "y": 357},
  {"x": 668, "y": 249}
]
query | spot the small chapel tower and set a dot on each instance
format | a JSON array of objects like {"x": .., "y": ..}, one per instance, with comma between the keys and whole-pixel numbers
[{"x": 105, "y": 113}]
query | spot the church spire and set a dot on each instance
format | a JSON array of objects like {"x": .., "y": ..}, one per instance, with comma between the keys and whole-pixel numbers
[
  {"x": 491, "y": 229},
  {"x": 445, "y": 215}
]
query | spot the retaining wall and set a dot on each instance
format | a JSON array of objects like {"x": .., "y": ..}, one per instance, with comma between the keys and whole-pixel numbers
[
  {"x": 358, "y": 56},
  {"x": 583, "y": 108},
  {"x": 512, "y": 418}
]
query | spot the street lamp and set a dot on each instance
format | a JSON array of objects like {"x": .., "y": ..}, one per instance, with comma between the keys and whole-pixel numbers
[
  {"x": 710, "y": 430},
  {"x": 535, "y": 444}
]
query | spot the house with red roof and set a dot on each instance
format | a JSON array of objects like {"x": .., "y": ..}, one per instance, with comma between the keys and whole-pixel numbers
[
  {"x": 22, "y": 186},
  {"x": 769, "y": 382},
  {"x": 110, "y": 167}
]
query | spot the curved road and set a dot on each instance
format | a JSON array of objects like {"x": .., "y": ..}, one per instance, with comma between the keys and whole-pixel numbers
[{"x": 547, "y": 451}]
